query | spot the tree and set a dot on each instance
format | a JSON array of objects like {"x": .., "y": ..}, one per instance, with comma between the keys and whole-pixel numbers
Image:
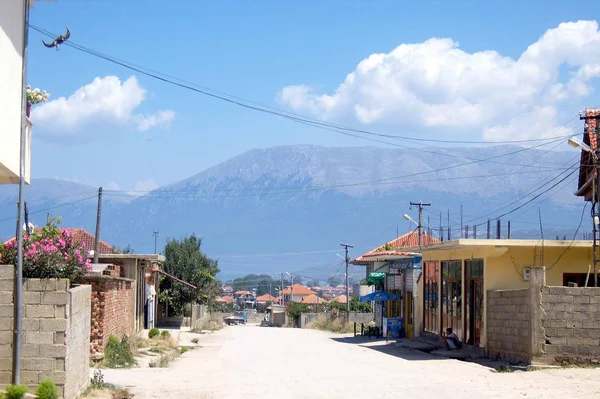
[
  {"x": 264, "y": 287},
  {"x": 334, "y": 281},
  {"x": 312, "y": 283},
  {"x": 185, "y": 260}
]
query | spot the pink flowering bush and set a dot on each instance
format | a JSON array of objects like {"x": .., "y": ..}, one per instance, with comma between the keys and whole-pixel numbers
[{"x": 50, "y": 252}]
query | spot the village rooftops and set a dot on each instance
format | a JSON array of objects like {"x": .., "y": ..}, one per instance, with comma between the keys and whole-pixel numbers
[
  {"x": 299, "y": 290},
  {"x": 148, "y": 257}
]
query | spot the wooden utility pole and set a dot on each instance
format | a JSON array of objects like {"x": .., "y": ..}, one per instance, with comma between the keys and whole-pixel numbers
[
  {"x": 98, "y": 217},
  {"x": 420, "y": 204},
  {"x": 347, "y": 259}
]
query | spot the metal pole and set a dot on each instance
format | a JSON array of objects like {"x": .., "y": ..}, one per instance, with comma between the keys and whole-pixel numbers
[
  {"x": 461, "y": 220},
  {"x": 489, "y": 229},
  {"x": 508, "y": 230},
  {"x": 420, "y": 204},
  {"x": 155, "y": 234},
  {"x": 98, "y": 217},
  {"x": 474, "y": 231},
  {"x": 596, "y": 210},
  {"x": 18, "y": 288},
  {"x": 282, "y": 294}
]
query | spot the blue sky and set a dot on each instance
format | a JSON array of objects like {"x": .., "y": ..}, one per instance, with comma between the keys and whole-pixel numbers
[{"x": 295, "y": 56}]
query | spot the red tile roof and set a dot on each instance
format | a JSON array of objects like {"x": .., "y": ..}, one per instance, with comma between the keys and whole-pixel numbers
[
  {"x": 404, "y": 241},
  {"x": 299, "y": 290},
  {"x": 340, "y": 299},
  {"x": 312, "y": 299},
  {"x": 266, "y": 298},
  {"x": 242, "y": 292},
  {"x": 225, "y": 299},
  {"x": 586, "y": 169},
  {"x": 87, "y": 239}
]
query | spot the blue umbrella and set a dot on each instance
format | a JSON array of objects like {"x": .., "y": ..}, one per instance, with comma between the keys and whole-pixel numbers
[{"x": 379, "y": 296}]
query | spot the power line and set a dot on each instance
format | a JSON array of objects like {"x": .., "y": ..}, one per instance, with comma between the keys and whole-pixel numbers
[
  {"x": 52, "y": 207},
  {"x": 260, "y": 107},
  {"x": 573, "y": 240}
]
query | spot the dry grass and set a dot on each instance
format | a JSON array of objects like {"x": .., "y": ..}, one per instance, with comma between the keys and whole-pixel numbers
[
  {"x": 107, "y": 393},
  {"x": 324, "y": 323}
]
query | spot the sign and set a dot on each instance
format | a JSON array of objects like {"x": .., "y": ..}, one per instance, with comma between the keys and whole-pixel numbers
[{"x": 394, "y": 328}]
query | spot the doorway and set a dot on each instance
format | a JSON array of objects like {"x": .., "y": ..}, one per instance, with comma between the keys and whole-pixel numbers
[
  {"x": 474, "y": 301},
  {"x": 408, "y": 300}
]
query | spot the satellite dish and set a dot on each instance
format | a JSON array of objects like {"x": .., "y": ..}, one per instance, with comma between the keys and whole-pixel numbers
[{"x": 28, "y": 228}]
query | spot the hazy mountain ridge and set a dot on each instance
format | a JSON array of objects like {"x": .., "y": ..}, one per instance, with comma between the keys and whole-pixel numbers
[{"x": 305, "y": 198}]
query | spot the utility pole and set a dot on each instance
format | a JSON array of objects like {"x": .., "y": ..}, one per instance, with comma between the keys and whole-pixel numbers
[
  {"x": 449, "y": 233},
  {"x": 595, "y": 183},
  {"x": 461, "y": 220},
  {"x": 18, "y": 282},
  {"x": 98, "y": 217},
  {"x": 156, "y": 234},
  {"x": 441, "y": 228},
  {"x": 347, "y": 259},
  {"x": 420, "y": 204},
  {"x": 48, "y": 218},
  {"x": 282, "y": 294}
]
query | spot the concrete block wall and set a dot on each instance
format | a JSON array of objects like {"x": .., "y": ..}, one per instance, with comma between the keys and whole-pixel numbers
[
  {"x": 508, "y": 325},
  {"x": 571, "y": 324},
  {"x": 112, "y": 301},
  {"x": 56, "y": 320}
]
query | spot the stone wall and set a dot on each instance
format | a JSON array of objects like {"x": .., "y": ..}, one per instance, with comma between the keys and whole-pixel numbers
[
  {"x": 508, "y": 327},
  {"x": 112, "y": 309},
  {"x": 56, "y": 332},
  {"x": 571, "y": 324}
]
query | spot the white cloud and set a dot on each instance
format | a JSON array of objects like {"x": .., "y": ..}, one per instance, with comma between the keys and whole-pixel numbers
[
  {"x": 113, "y": 186},
  {"x": 158, "y": 119},
  {"x": 104, "y": 100},
  {"x": 435, "y": 85},
  {"x": 142, "y": 187}
]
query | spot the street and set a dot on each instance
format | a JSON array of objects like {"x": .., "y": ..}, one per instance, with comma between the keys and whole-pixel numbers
[{"x": 254, "y": 362}]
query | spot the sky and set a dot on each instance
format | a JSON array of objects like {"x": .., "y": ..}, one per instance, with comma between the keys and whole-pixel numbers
[{"x": 451, "y": 70}]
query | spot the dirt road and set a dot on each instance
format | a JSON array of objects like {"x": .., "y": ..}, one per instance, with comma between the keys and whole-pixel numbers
[{"x": 254, "y": 362}]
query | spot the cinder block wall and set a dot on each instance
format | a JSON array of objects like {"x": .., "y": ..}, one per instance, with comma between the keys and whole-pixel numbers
[
  {"x": 56, "y": 330},
  {"x": 112, "y": 309},
  {"x": 544, "y": 324},
  {"x": 571, "y": 324},
  {"x": 508, "y": 327}
]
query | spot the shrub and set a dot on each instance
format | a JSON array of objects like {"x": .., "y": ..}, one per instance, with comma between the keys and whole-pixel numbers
[
  {"x": 50, "y": 252},
  {"x": 153, "y": 333},
  {"x": 184, "y": 349},
  {"x": 15, "y": 391},
  {"x": 195, "y": 340},
  {"x": 165, "y": 334},
  {"x": 118, "y": 354},
  {"x": 47, "y": 390}
]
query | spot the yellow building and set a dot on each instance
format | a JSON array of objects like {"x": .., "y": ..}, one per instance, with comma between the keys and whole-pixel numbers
[{"x": 457, "y": 274}]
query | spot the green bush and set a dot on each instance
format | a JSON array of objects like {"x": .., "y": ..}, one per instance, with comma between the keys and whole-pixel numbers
[
  {"x": 15, "y": 391},
  {"x": 153, "y": 333},
  {"x": 118, "y": 354},
  {"x": 165, "y": 334},
  {"x": 47, "y": 390},
  {"x": 184, "y": 349}
]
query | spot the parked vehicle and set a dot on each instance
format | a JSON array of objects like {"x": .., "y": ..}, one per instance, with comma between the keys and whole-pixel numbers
[{"x": 236, "y": 318}]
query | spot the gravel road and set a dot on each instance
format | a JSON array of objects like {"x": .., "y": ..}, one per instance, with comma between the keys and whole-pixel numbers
[{"x": 255, "y": 362}]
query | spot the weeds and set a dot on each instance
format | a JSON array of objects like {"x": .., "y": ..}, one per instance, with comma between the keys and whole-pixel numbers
[
  {"x": 118, "y": 354},
  {"x": 153, "y": 333},
  {"x": 324, "y": 323},
  {"x": 165, "y": 334},
  {"x": 47, "y": 390},
  {"x": 195, "y": 340},
  {"x": 184, "y": 349},
  {"x": 15, "y": 391}
]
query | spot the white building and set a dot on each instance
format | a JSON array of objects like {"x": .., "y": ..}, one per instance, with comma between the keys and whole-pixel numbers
[{"x": 12, "y": 20}]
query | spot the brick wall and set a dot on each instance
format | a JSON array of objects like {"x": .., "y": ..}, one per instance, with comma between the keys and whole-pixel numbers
[
  {"x": 112, "y": 309},
  {"x": 56, "y": 322},
  {"x": 571, "y": 324},
  {"x": 508, "y": 327}
]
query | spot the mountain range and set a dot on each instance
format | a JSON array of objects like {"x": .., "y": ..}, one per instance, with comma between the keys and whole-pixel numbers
[{"x": 288, "y": 208}]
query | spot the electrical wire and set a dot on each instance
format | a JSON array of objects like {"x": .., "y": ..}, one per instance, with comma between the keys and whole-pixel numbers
[
  {"x": 260, "y": 107},
  {"x": 572, "y": 241},
  {"x": 51, "y": 208}
]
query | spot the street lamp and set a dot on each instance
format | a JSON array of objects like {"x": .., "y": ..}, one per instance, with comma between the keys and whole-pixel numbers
[{"x": 578, "y": 143}]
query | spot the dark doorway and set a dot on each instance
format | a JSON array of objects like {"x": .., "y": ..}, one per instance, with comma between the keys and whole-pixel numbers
[{"x": 474, "y": 301}]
